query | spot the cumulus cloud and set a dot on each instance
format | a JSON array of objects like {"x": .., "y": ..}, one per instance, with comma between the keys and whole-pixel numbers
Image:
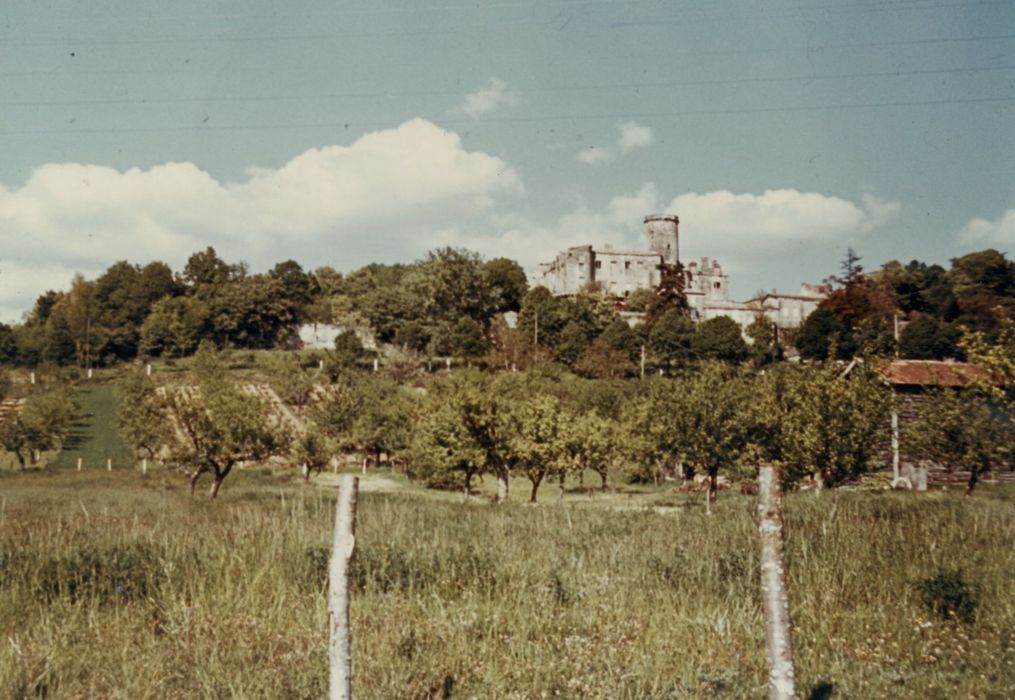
[
  {"x": 632, "y": 136},
  {"x": 775, "y": 217},
  {"x": 348, "y": 204},
  {"x": 494, "y": 96},
  {"x": 1000, "y": 231},
  {"x": 595, "y": 154}
]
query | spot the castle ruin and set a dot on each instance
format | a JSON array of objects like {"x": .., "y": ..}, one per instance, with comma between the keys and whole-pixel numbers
[{"x": 621, "y": 272}]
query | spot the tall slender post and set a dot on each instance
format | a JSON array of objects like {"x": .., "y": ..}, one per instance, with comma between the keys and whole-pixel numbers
[
  {"x": 339, "y": 646},
  {"x": 643, "y": 360},
  {"x": 895, "y": 447},
  {"x": 775, "y": 601}
]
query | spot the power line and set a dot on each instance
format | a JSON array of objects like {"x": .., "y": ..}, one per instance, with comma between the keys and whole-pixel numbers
[
  {"x": 1002, "y": 101},
  {"x": 970, "y": 70}
]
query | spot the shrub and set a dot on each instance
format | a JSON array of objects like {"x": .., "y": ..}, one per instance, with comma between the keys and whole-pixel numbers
[{"x": 947, "y": 595}]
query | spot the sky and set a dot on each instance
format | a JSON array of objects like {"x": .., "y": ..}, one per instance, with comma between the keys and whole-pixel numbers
[{"x": 346, "y": 133}]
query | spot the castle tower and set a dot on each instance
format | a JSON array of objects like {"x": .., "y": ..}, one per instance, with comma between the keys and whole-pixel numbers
[{"x": 663, "y": 236}]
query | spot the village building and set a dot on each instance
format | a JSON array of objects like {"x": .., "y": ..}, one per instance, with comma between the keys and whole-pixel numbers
[{"x": 619, "y": 273}]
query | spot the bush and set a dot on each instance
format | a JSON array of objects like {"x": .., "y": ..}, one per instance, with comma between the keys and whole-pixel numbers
[{"x": 947, "y": 595}]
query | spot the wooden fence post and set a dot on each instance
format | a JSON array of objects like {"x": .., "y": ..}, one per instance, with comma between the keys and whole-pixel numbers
[
  {"x": 339, "y": 647},
  {"x": 775, "y": 601}
]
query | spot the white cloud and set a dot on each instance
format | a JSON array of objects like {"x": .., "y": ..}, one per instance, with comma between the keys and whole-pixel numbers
[
  {"x": 338, "y": 205},
  {"x": 777, "y": 217},
  {"x": 632, "y": 136},
  {"x": 595, "y": 154},
  {"x": 494, "y": 96},
  {"x": 1001, "y": 230}
]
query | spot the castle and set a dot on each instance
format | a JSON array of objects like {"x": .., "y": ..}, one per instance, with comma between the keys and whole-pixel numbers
[{"x": 621, "y": 272}]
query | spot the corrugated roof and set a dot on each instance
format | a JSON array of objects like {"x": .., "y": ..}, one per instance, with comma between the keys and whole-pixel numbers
[{"x": 933, "y": 373}]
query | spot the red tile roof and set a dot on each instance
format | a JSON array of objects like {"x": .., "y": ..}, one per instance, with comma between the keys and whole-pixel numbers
[{"x": 933, "y": 373}]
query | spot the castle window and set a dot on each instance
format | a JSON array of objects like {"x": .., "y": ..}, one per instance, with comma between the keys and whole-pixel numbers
[
  {"x": 599, "y": 264},
  {"x": 716, "y": 285},
  {"x": 627, "y": 264}
]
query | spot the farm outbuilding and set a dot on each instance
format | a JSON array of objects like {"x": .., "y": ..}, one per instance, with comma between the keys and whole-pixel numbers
[{"x": 911, "y": 382}]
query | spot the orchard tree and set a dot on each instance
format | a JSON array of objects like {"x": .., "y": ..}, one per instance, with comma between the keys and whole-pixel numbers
[
  {"x": 963, "y": 429},
  {"x": 42, "y": 424},
  {"x": 311, "y": 452},
  {"x": 219, "y": 425},
  {"x": 382, "y": 422},
  {"x": 832, "y": 424},
  {"x": 537, "y": 439},
  {"x": 709, "y": 421},
  {"x": 141, "y": 414}
]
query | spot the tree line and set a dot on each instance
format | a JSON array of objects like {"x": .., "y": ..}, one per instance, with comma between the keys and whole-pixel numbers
[
  {"x": 547, "y": 425},
  {"x": 452, "y": 303}
]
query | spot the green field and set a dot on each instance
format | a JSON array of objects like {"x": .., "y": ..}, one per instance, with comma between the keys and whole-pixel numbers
[
  {"x": 94, "y": 437},
  {"x": 122, "y": 586}
]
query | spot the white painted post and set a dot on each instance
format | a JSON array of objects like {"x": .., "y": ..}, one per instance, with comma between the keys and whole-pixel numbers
[
  {"x": 447, "y": 362},
  {"x": 109, "y": 465},
  {"x": 33, "y": 377},
  {"x": 343, "y": 544},
  {"x": 921, "y": 477},
  {"x": 375, "y": 364},
  {"x": 89, "y": 372},
  {"x": 148, "y": 369},
  {"x": 895, "y": 447},
  {"x": 144, "y": 465},
  {"x": 775, "y": 601},
  {"x": 79, "y": 464},
  {"x": 320, "y": 364}
]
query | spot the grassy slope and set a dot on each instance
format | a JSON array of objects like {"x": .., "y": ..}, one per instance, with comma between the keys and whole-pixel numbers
[
  {"x": 184, "y": 598},
  {"x": 94, "y": 437}
]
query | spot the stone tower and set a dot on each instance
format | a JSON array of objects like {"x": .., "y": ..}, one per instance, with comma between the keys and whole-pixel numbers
[{"x": 663, "y": 236}]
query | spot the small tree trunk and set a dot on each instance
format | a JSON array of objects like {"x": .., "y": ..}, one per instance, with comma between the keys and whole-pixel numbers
[
  {"x": 560, "y": 493},
  {"x": 974, "y": 476},
  {"x": 502, "y": 486},
  {"x": 306, "y": 472},
  {"x": 604, "y": 475},
  {"x": 713, "y": 485},
  {"x": 468, "y": 485},
  {"x": 775, "y": 601},
  {"x": 365, "y": 458},
  {"x": 193, "y": 481},
  {"x": 215, "y": 486},
  {"x": 536, "y": 481}
]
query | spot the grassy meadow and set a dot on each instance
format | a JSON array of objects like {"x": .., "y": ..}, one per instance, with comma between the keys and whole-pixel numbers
[{"x": 114, "y": 585}]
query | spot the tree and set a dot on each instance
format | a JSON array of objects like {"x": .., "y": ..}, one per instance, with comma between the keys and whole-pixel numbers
[
  {"x": 219, "y": 425},
  {"x": 589, "y": 442},
  {"x": 829, "y": 424},
  {"x": 927, "y": 338},
  {"x": 669, "y": 295},
  {"x": 720, "y": 339},
  {"x": 708, "y": 421},
  {"x": 963, "y": 429},
  {"x": 348, "y": 349},
  {"x": 764, "y": 334},
  {"x": 207, "y": 268},
  {"x": 41, "y": 424},
  {"x": 174, "y": 327},
  {"x": 448, "y": 445},
  {"x": 602, "y": 361},
  {"x": 670, "y": 340},
  {"x": 508, "y": 278},
  {"x": 141, "y": 414},
  {"x": 251, "y": 312},
  {"x": 537, "y": 440},
  {"x": 382, "y": 422},
  {"x": 310, "y": 452},
  {"x": 820, "y": 332}
]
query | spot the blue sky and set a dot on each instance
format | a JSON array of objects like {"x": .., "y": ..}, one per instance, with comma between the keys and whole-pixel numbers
[{"x": 345, "y": 133}]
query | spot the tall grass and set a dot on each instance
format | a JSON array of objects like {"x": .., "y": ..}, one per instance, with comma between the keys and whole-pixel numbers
[{"x": 112, "y": 585}]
